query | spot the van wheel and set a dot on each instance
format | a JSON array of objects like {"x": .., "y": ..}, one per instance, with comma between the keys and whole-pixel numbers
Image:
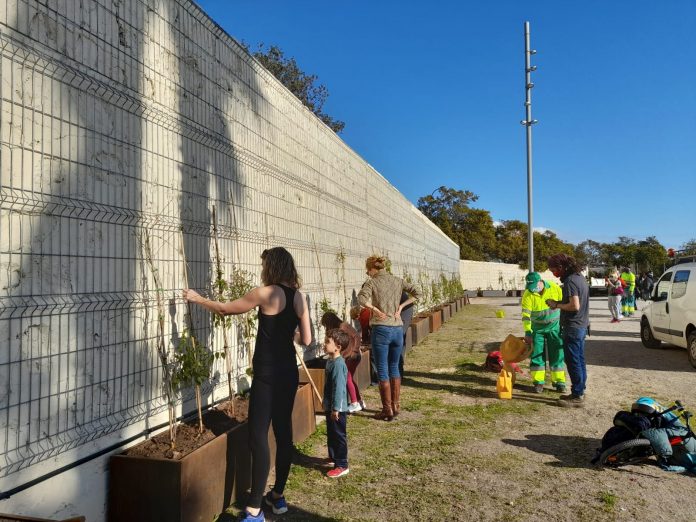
[
  {"x": 691, "y": 348},
  {"x": 646, "y": 335}
]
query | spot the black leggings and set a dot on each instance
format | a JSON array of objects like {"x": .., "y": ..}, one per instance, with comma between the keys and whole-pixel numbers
[{"x": 271, "y": 400}]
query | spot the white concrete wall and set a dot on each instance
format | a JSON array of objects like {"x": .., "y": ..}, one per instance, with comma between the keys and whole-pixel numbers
[
  {"x": 495, "y": 276},
  {"x": 125, "y": 118}
]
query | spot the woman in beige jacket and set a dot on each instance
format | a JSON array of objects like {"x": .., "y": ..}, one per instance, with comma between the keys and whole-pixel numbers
[{"x": 382, "y": 295}]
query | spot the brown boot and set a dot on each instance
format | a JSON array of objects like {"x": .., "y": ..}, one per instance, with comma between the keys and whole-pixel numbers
[
  {"x": 395, "y": 383},
  {"x": 385, "y": 394}
]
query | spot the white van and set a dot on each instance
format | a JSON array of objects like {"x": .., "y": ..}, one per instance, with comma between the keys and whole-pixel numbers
[{"x": 670, "y": 316}]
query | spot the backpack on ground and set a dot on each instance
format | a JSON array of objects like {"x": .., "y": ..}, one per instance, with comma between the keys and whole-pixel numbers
[
  {"x": 494, "y": 362},
  {"x": 627, "y": 426}
]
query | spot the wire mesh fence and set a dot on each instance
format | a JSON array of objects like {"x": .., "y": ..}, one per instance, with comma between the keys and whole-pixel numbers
[{"x": 120, "y": 122}]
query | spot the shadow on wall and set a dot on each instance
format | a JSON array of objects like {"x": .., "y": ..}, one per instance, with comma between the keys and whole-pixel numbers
[{"x": 85, "y": 143}]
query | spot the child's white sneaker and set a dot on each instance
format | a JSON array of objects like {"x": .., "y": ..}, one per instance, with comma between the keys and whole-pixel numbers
[
  {"x": 363, "y": 405},
  {"x": 353, "y": 407}
]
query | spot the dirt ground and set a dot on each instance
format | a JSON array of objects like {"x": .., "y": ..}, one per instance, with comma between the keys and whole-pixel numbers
[{"x": 457, "y": 452}]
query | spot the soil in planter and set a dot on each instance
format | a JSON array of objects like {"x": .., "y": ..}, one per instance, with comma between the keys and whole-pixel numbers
[{"x": 216, "y": 421}]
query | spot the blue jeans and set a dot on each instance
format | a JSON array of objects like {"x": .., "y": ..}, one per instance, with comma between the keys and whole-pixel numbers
[
  {"x": 387, "y": 343},
  {"x": 574, "y": 350}
]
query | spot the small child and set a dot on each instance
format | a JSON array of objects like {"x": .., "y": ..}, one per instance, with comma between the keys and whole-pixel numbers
[
  {"x": 335, "y": 402},
  {"x": 351, "y": 355}
]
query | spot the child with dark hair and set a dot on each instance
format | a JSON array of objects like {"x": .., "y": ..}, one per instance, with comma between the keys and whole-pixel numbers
[
  {"x": 335, "y": 402},
  {"x": 351, "y": 355}
]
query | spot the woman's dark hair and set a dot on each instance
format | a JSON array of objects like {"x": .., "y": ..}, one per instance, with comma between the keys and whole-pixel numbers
[
  {"x": 566, "y": 262},
  {"x": 278, "y": 267},
  {"x": 330, "y": 321}
]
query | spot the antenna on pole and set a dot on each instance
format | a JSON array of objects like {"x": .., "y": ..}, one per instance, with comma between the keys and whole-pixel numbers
[{"x": 528, "y": 122}]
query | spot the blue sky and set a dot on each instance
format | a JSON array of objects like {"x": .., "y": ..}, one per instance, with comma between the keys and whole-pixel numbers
[{"x": 432, "y": 94}]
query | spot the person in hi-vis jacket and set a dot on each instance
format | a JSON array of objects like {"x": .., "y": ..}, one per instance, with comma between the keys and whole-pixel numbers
[{"x": 541, "y": 323}]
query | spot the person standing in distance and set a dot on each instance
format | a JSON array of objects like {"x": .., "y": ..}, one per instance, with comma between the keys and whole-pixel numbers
[{"x": 575, "y": 320}]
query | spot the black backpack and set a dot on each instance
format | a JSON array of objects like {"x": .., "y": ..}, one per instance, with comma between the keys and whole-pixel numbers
[{"x": 627, "y": 426}]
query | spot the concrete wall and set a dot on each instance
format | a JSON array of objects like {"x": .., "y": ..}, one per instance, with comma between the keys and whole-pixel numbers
[
  {"x": 495, "y": 276},
  {"x": 122, "y": 123}
]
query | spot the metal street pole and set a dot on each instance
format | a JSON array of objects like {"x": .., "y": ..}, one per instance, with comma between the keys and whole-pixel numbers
[{"x": 528, "y": 122}]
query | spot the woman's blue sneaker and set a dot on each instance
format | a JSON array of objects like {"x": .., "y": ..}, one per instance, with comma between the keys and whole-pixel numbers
[
  {"x": 251, "y": 518},
  {"x": 278, "y": 504}
]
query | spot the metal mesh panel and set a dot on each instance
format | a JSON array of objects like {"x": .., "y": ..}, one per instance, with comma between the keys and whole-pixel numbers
[{"x": 125, "y": 121}]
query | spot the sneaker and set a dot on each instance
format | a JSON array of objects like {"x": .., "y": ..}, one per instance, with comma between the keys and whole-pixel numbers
[
  {"x": 337, "y": 472},
  {"x": 572, "y": 401},
  {"x": 560, "y": 387},
  {"x": 353, "y": 407},
  {"x": 251, "y": 518},
  {"x": 278, "y": 504},
  {"x": 538, "y": 388},
  {"x": 363, "y": 405}
]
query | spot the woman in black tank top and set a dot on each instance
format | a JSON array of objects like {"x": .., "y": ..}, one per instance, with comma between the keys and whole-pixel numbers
[{"x": 282, "y": 309}]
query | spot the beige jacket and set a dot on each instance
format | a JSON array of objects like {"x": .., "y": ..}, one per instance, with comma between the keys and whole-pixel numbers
[{"x": 384, "y": 292}]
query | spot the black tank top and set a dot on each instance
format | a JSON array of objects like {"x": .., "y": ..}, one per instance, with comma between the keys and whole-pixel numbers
[{"x": 275, "y": 350}]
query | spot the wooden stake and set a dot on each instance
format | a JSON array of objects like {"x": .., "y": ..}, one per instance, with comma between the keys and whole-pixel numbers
[{"x": 309, "y": 377}]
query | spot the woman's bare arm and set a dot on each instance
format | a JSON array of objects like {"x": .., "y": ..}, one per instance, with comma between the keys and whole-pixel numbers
[{"x": 254, "y": 298}]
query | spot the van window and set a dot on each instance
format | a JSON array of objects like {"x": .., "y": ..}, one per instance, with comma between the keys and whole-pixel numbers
[
  {"x": 681, "y": 278},
  {"x": 663, "y": 286}
]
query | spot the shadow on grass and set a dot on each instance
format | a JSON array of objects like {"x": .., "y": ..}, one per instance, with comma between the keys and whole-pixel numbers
[
  {"x": 308, "y": 461},
  {"x": 472, "y": 385},
  {"x": 570, "y": 450}
]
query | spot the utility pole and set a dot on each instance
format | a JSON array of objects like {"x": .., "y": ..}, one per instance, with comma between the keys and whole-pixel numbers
[{"x": 528, "y": 122}]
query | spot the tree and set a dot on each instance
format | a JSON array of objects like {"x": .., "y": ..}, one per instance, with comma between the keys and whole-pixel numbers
[
  {"x": 590, "y": 253},
  {"x": 650, "y": 255},
  {"x": 312, "y": 94},
  {"x": 512, "y": 245},
  {"x": 511, "y": 241},
  {"x": 689, "y": 247},
  {"x": 472, "y": 229}
]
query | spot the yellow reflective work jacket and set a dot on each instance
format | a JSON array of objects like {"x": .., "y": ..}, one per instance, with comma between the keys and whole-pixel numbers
[
  {"x": 630, "y": 280},
  {"x": 536, "y": 314}
]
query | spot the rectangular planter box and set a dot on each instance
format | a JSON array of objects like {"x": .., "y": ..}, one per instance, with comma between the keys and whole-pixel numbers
[
  {"x": 196, "y": 488},
  {"x": 362, "y": 372},
  {"x": 455, "y": 306},
  {"x": 318, "y": 378},
  {"x": 303, "y": 419},
  {"x": 420, "y": 328},
  {"x": 435, "y": 321},
  {"x": 446, "y": 313}
]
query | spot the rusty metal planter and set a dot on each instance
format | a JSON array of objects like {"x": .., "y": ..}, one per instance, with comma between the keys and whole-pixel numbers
[
  {"x": 435, "y": 321},
  {"x": 420, "y": 328},
  {"x": 446, "y": 313},
  {"x": 317, "y": 375},
  {"x": 303, "y": 419},
  {"x": 197, "y": 487}
]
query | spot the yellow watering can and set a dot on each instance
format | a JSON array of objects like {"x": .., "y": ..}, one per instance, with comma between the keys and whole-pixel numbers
[{"x": 513, "y": 350}]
